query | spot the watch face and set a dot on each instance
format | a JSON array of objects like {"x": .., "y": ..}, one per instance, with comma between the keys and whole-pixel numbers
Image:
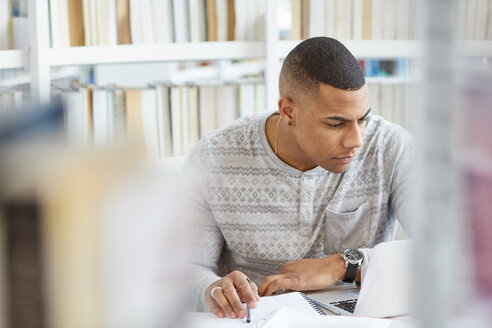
[{"x": 352, "y": 255}]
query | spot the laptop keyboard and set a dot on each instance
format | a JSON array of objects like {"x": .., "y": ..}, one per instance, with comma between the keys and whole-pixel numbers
[{"x": 347, "y": 305}]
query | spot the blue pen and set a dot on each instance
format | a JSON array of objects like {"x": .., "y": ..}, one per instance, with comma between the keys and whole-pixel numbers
[{"x": 248, "y": 314}]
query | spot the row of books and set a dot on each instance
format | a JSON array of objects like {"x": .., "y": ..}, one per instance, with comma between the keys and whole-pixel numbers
[
  {"x": 381, "y": 19},
  {"x": 392, "y": 100},
  {"x": 385, "y": 68},
  {"x": 353, "y": 19},
  {"x": 86, "y": 249},
  {"x": 169, "y": 120},
  {"x": 112, "y": 22},
  {"x": 473, "y": 20},
  {"x": 9, "y": 98}
]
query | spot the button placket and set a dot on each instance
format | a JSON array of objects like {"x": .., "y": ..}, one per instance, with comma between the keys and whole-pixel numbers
[{"x": 306, "y": 204}]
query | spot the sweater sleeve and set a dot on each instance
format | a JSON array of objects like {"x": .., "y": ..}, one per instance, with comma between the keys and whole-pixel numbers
[{"x": 206, "y": 240}]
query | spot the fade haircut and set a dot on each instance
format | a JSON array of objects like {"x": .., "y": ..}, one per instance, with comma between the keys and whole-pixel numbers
[{"x": 319, "y": 60}]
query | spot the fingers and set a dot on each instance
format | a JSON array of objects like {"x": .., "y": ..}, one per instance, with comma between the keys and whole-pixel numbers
[
  {"x": 273, "y": 283},
  {"x": 221, "y": 299},
  {"x": 214, "y": 308},
  {"x": 247, "y": 290},
  {"x": 233, "y": 298},
  {"x": 225, "y": 297}
]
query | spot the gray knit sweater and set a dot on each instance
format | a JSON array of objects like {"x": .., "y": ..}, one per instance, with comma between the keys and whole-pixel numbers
[{"x": 252, "y": 212}]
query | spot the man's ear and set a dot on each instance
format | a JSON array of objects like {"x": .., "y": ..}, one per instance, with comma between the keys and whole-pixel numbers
[{"x": 286, "y": 109}]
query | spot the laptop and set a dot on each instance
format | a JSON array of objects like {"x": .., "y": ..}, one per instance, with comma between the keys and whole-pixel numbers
[{"x": 385, "y": 291}]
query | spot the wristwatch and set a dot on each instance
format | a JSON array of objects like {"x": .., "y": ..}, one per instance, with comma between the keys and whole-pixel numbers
[{"x": 353, "y": 259}]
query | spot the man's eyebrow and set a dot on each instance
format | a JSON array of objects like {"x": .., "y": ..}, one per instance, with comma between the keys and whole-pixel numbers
[{"x": 343, "y": 119}]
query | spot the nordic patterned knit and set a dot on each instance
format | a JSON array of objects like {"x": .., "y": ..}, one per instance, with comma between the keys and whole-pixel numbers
[{"x": 253, "y": 212}]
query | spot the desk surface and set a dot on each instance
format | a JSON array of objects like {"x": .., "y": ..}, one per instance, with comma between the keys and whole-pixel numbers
[{"x": 230, "y": 323}]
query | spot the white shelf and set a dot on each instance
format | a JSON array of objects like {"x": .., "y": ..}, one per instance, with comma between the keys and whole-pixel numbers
[
  {"x": 156, "y": 53},
  {"x": 474, "y": 48},
  {"x": 392, "y": 49},
  {"x": 380, "y": 49},
  {"x": 13, "y": 59}
]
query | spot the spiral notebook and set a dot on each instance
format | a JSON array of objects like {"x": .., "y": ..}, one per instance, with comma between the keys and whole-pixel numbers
[
  {"x": 294, "y": 300},
  {"x": 266, "y": 308}
]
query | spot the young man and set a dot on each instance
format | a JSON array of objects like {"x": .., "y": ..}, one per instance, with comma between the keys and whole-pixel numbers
[{"x": 279, "y": 197}]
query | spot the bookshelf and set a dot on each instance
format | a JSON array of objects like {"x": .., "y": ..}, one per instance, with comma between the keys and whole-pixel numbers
[
  {"x": 13, "y": 59},
  {"x": 40, "y": 58}
]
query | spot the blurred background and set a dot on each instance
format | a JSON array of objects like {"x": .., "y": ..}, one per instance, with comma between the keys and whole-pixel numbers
[{"x": 101, "y": 101}]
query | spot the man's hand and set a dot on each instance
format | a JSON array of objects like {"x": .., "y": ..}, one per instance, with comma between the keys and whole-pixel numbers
[
  {"x": 306, "y": 275},
  {"x": 225, "y": 296}
]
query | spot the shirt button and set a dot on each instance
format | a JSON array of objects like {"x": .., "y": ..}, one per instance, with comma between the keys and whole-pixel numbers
[
  {"x": 306, "y": 214},
  {"x": 306, "y": 195},
  {"x": 305, "y": 179}
]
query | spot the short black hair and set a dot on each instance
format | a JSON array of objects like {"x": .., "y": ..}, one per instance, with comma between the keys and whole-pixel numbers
[{"x": 321, "y": 60}]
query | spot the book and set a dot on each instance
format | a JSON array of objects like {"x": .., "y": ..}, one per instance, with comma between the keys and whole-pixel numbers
[
  {"x": 260, "y": 97},
  {"x": 111, "y": 22},
  {"x": 471, "y": 6},
  {"x": 86, "y": 11},
  {"x": 231, "y": 20},
  {"x": 181, "y": 22},
  {"x": 146, "y": 21},
  {"x": 389, "y": 21},
  {"x": 149, "y": 123},
  {"x": 258, "y": 19},
  {"x": 480, "y": 30},
  {"x": 176, "y": 119},
  {"x": 76, "y": 23},
  {"x": 240, "y": 7},
  {"x": 101, "y": 118},
  {"x": 296, "y": 29},
  {"x": 226, "y": 105},
  {"x": 221, "y": 15},
  {"x": 102, "y": 27},
  {"x": 317, "y": 18},
  {"x": 357, "y": 19},
  {"x": 387, "y": 100},
  {"x": 330, "y": 18},
  {"x": 5, "y": 25},
  {"x": 211, "y": 20},
  {"x": 247, "y": 104},
  {"x": 374, "y": 96},
  {"x": 163, "y": 120},
  {"x": 207, "y": 101},
  {"x": 305, "y": 12},
  {"x": 193, "y": 121},
  {"x": 184, "y": 111},
  {"x": 377, "y": 18},
  {"x": 123, "y": 21},
  {"x": 162, "y": 21},
  {"x": 133, "y": 100},
  {"x": 367, "y": 19}
]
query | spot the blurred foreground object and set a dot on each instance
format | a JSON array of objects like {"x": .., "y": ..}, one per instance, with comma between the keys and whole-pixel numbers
[
  {"x": 87, "y": 238},
  {"x": 476, "y": 159}
]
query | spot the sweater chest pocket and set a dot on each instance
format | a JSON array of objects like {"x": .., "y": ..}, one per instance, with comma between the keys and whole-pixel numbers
[{"x": 347, "y": 229}]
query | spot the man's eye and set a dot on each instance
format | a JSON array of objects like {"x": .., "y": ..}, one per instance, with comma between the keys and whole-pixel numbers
[
  {"x": 335, "y": 125},
  {"x": 363, "y": 120}
]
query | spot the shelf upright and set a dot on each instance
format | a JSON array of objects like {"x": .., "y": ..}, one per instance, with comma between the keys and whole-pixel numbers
[{"x": 39, "y": 46}]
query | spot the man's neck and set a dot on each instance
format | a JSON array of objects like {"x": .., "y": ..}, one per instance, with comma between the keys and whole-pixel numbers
[{"x": 283, "y": 141}]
